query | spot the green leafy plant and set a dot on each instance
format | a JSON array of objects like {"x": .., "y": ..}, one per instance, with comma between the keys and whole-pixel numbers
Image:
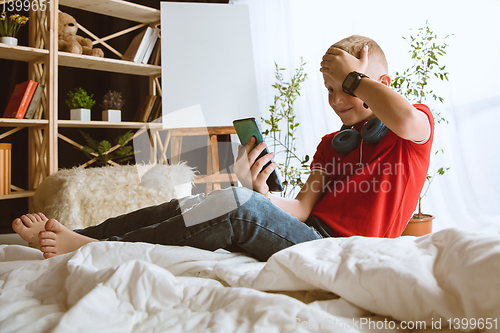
[
  {"x": 78, "y": 98},
  {"x": 426, "y": 51},
  {"x": 9, "y": 26},
  {"x": 283, "y": 127},
  {"x": 112, "y": 100},
  {"x": 103, "y": 151}
]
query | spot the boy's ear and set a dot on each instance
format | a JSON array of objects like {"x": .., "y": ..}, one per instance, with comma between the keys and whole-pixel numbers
[{"x": 385, "y": 80}]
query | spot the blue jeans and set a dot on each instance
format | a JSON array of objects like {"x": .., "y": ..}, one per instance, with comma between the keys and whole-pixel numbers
[{"x": 255, "y": 225}]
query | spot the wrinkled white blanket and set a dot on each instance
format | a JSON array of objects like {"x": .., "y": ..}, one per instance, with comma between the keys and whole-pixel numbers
[{"x": 352, "y": 284}]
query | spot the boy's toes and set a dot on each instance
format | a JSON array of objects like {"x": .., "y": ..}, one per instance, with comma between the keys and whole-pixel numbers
[
  {"x": 35, "y": 217},
  {"x": 47, "y": 242},
  {"x": 54, "y": 226},
  {"x": 48, "y": 255},
  {"x": 42, "y": 216},
  {"x": 18, "y": 225},
  {"x": 28, "y": 220},
  {"x": 46, "y": 235}
]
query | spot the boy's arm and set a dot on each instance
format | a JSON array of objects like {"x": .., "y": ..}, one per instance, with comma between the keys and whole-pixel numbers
[
  {"x": 391, "y": 108},
  {"x": 308, "y": 197},
  {"x": 394, "y": 110}
]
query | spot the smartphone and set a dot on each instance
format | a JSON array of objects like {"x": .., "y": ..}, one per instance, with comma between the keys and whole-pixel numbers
[{"x": 246, "y": 128}]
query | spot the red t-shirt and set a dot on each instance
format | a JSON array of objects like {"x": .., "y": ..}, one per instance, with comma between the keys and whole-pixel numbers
[{"x": 378, "y": 196}]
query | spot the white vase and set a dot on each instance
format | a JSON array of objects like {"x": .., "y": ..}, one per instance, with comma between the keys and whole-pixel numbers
[
  {"x": 8, "y": 40},
  {"x": 80, "y": 114},
  {"x": 112, "y": 116}
]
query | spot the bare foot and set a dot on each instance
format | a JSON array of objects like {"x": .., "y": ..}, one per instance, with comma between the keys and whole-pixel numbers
[
  {"x": 29, "y": 226},
  {"x": 57, "y": 239}
]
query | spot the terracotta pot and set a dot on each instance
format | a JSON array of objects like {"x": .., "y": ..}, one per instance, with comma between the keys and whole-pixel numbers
[{"x": 419, "y": 227}]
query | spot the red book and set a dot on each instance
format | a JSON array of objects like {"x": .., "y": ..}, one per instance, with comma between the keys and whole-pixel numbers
[{"x": 20, "y": 99}]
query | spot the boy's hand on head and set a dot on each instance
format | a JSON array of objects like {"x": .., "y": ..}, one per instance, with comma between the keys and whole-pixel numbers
[{"x": 338, "y": 64}]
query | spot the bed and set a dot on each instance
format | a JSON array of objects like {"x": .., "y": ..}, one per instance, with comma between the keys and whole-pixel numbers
[
  {"x": 352, "y": 284},
  {"x": 439, "y": 282}
]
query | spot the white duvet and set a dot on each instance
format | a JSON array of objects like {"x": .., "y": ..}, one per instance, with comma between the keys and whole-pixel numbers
[{"x": 352, "y": 284}]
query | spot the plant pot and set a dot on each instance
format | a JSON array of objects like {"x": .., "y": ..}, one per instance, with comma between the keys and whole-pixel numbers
[
  {"x": 112, "y": 116},
  {"x": 419, "y": 227},
  {"x": 5, "y": 168},
  {"x": 8, "y": 40},
  {"x": 80, "y": 114}
]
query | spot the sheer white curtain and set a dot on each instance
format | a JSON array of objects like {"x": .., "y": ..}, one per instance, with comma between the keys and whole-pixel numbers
[{"x": 468, "y": 195}]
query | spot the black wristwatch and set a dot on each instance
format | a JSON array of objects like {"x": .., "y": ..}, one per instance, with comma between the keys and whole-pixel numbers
[{"x": 351, "y": 82}]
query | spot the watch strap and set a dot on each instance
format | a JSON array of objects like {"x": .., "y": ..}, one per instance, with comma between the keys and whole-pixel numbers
[{"x": 351, "y": 82}]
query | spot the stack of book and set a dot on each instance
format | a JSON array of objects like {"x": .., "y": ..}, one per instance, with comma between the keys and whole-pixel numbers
[
  {"x": 24, "y": 101},
  {"x": 145, "y": 47}
]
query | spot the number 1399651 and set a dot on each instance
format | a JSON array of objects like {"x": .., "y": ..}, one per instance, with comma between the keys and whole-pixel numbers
[
  {"x": 472, "y": 323},
  {"x": 25, "y": 5}
]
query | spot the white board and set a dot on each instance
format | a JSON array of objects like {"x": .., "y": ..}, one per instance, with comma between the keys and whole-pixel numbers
[{"x": 207, "y": 62}]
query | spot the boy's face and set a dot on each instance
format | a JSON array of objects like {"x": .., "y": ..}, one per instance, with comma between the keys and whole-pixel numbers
[{"x": 350, "y": 109}]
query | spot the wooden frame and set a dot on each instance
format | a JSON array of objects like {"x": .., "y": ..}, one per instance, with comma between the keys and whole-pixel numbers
[{"x": 213, "y": 178}]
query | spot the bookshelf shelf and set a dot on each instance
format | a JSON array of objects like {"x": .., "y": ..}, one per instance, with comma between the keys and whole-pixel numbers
[
  {"x": 22, "y": 53},
  {"x": 116, "y": 8},
  {"x": 105, "y": 124},
  {"x": 11, "y": 122},
  {"x": 107, "y": 65}
]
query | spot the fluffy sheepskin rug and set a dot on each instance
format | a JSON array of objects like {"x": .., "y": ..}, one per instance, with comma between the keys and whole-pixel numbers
[{"x": 80, "y": 198}]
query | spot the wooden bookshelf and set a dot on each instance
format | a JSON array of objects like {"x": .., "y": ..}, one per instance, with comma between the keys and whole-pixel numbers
[{"x": 43, "y": 60}]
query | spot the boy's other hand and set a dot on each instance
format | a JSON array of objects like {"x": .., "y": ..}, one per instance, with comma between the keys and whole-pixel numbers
[
  {"x": 338, "y": 64},
  {"x": 248, "y": 168}
]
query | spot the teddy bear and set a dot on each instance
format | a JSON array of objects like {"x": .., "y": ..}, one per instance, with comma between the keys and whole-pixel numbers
[{"x": 70, "y": 42}]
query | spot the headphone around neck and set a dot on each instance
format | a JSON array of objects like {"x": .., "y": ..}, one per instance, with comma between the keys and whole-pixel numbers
[{"x": 348, "y": 139}]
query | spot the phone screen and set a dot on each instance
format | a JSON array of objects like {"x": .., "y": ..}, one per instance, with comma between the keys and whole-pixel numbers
[{"x": 246, "y": 128}]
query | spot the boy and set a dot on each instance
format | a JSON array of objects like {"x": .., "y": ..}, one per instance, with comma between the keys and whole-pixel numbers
[{"x": 370, "y": 191}]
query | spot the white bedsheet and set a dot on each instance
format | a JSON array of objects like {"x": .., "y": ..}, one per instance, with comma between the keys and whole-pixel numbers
[{"x": 352, "y": 284}]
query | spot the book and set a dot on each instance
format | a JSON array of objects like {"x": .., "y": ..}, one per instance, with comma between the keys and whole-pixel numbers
[
  {"x": 152, "y": 42},
  {"x": 156, "y": 111},
  {"x": 145, "y": 108},
  {"x": 157, "y": 60},
  {"x": 137, "y": 48},
  {"x": 35, "y": 102},
  {"x": 156, "y": 53},
  {"x": 20, "y": 99}
]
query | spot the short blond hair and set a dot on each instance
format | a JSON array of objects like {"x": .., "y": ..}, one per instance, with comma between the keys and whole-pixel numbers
[{"x": 353, "y": 45}]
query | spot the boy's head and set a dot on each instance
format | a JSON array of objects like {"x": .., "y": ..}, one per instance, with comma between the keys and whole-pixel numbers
[
  {"x": 377, "y": 64},
  {"x": 351, "y": 109}
]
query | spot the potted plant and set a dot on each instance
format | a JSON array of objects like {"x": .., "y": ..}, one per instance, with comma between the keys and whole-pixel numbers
[
  {"x": 413, "y": 84},
  {"x": 9, "y": 27},
  {"x": 112, "y": 103},
  {"x": 282, "y": 128},
  {"x": 80, "y": 104}
]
